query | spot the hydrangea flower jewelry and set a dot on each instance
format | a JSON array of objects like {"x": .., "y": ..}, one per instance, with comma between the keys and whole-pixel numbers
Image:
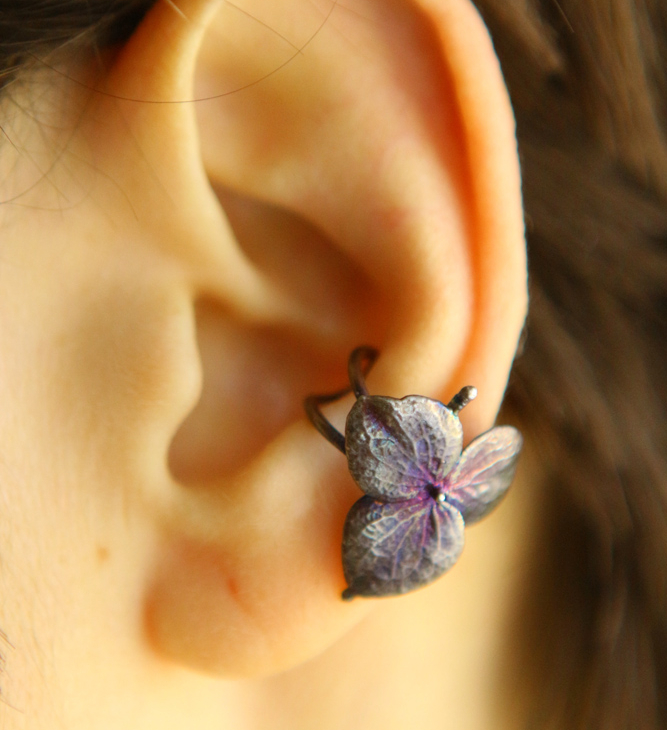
[{"x": 420, "y": 490}]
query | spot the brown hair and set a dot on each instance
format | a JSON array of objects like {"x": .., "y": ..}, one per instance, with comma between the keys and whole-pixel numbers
[
  {"x": 30, "y": 27},
  {"x": 588, "y": 82}
]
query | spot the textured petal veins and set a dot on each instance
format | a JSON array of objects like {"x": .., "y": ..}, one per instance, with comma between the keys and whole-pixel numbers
[
  {"x": 395, "y": 547},
  {"x": 484, "y": 472},
  {"x": 396, "y": 448},
  {"x": 420, "y": 490}
]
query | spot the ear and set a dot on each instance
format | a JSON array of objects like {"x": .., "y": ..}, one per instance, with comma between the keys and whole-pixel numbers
[{"x": 348, "y": 176}]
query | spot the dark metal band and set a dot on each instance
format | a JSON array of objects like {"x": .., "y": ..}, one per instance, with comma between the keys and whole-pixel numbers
[{"x": 361, "y": 361}]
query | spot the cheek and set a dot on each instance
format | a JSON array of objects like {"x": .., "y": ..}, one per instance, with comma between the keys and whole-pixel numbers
[
  {"x": 98, "y": 368},
  {"x": 99, "y": 347}
]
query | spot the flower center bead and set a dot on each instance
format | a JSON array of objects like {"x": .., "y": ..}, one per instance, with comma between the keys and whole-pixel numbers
[{"x": 435, "y": 492}]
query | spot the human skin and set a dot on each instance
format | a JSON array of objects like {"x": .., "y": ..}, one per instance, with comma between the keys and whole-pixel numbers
[{"x": 175, "y": 277}]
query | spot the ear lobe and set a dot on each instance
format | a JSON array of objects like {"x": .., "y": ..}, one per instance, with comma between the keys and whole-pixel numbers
[{"x": 387, "y": 143}]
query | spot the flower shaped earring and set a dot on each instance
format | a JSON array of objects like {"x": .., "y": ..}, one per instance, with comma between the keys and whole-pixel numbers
[{"x": 420, "y": 489}]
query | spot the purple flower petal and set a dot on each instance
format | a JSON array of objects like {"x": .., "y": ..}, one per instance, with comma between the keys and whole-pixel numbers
[
  {"x": 394, "y": 547},
  {"x": 396, "y": 448},
  {"x": 484, "y": 472}
]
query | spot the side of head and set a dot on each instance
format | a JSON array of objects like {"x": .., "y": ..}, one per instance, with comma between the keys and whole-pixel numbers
[{"x": 197, "y": 268}]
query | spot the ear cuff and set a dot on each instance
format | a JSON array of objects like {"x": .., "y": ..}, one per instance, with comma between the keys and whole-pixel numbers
[{"x": 420, "y": 488}]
